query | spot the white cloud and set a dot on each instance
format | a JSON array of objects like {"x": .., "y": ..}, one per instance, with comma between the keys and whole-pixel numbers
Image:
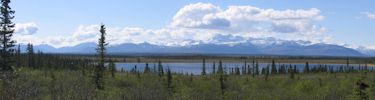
[
  {"x": 207, "y": 23},
  {"x": 369, "y": 15},
  {"x": 246, "y": 19},
  {"x": 29, "y": 28}
]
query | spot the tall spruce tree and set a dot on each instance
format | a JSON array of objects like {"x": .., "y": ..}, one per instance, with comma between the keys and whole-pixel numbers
[
  {"x": 307, "y": 68},
  {"x": 160, "y": 69},
  {"x": 220, "y": 68},
  {"x": 273, "y": 67},
  {"x": 147, "y": 69},
  {"x": 6, "y": 33},
  {"x": 213, "y": 68},
  {"x": 101, "y": 49},
  {"x": 204, "y": 67},
  {"x": 30, "y": 55}
]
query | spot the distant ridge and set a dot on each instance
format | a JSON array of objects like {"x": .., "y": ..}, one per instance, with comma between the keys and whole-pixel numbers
[{"x": 285, "y": 48}]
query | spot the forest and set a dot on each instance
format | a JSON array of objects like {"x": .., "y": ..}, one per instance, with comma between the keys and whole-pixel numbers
[{"x": 34, "y": 75}]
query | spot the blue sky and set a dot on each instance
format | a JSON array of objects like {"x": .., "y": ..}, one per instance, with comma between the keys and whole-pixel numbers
[{"x": 345, "y": 21}]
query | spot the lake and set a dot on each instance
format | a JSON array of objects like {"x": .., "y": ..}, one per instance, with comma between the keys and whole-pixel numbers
[{"x": 196, "y": 68}]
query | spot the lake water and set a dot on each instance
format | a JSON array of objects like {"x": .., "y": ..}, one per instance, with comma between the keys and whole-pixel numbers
[{"x": 196, "y": 68}]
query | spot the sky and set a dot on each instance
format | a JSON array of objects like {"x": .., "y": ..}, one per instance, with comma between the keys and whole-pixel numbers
[{"x": 62, "y": 23}]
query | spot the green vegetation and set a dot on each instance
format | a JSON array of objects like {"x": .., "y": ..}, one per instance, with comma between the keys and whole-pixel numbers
[
  {"x": 72, "y": 84},
  {"x": 39, "y": 76}
]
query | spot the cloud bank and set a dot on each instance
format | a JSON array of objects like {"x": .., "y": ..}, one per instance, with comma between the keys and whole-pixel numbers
[{"x": 201, "y": 23}]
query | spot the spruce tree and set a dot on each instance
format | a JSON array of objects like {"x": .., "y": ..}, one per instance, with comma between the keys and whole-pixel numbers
[
  {"x": 273, "y": 67},
  {"x": 213, "y": 68},
  {"x": 257, "y": 68},
  {"x": 267, "y": 73},
  {"x": 112, "y": 68},
  {"x": 307, "y": 68},
  {"x": 220, "y": 69},
  {"x": 295, "y": 70},
  {"x": 6, "y": 33},
  {"x": 101, "y": 49},
  {"x": 237, "y": 71},
  {"x": 147, "y": 69},
  {"x": 263, "y": 72},
  {"x": 245, "y": 69},
  {"x": 291, "y": 72},
  {"x": 204, "y": 67},
  {"x": 30, "y": 55},
  {"x": 154, "y": 69},
  {"x": 252, "y": 70},
  {"x": 222, "y": 84},
  {"x": 282, "y": 69},
  {"x": 160, "y": 69},
  {"x": 169, "y": 81}
]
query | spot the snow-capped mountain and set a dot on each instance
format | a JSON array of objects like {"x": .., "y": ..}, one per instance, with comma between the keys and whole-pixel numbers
[{"x": 270, "y": 47}]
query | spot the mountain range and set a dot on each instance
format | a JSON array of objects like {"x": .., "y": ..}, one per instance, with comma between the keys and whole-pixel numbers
[{"x": 250, "y": 47}]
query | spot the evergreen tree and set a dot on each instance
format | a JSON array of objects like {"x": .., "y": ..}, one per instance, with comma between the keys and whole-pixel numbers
[
  {"x": 282, "y": 69},
  {"x": 291, "y": 72},
  {"x": 220, "y": 69},
  {"x": 366, "y": 66},
  {"x": 245, "y": 70},
  {"x": 222, "y": 84},
  {"x": 257, "y": 68},
  {"x": 160, "y": 69},
  {"x": 237, "y": 71},
  {"x": 101, "y": 49},
  {"x": 112, "y": 68},
  {"x": 6, "y": 33},
  {"x": 307, "y": 68},
  {"x": 295, "y": 70},
  {"x": 134, "y": 70},
  {"x": 154, "y": 69},
  {"x": 213, "y": 68},
  {"x": 252, "y": 70},
  {"x": 169, "y": 81},
  {"x": 263, "y": 72},
  {"x": 204, "y": 67},
  {"x": 273, "y": 67},
  {"x": 267, "y": 73},
  {"x": 231, "y": 72},
  {"x": 30, "y": 55},
  {"x": 147, "y": 69}
]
